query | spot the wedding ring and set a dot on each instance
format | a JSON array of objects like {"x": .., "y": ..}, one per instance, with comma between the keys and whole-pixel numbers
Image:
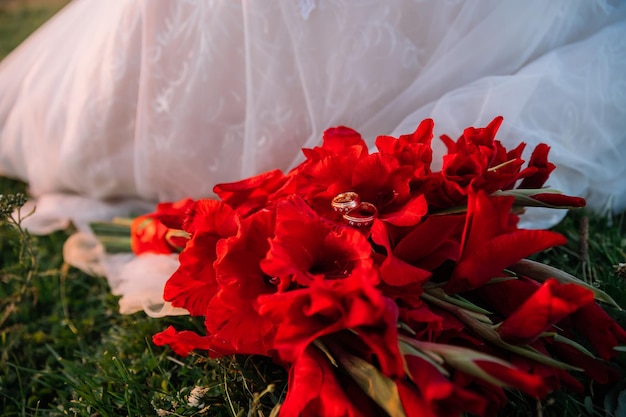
[
  {"x": 361, "y": 216},
  {"x": 344, "y": 202}
]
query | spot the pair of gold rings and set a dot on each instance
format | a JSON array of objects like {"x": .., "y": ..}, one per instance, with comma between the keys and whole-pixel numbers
[{"x": 355, "y": 212}]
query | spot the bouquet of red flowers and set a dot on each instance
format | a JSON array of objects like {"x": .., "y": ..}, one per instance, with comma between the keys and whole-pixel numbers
[{"x": 384, "y": 287}]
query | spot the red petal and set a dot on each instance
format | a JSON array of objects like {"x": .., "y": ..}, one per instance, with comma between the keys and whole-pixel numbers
[
  {"x": 559, "y": 200},
  {"x": 484, "y": 136},
  {"x": 251, "y": 194},
  {"x": 181, "y": 342},
  {"x": 547, "y": 306},
  {"x": 543, "y": 168},
  {"x": 486, "y": 261},
  {"x": 233, "y": 321},
  {"x": 327, "y": 307},
  {"x": 212, "y": 217},
  {"x": 600, "y": 371},
  {"x": 431, "y": 242},
  {"x": 412, "y": 403},
  {"x": 314, "y": 390},
  {"x": 408, "y": 214},
  {"x": 193, "y": 284},
  {"x": 338, "y": 139},
  {"x": 599, "y": 329},
  {"x": 306, "y": 245},
  {"x": 443, "y": 397},
  {"x": 172, "y": 214},
  {"x": 393, "y": 270},
  {"x": 492, "y": 242},
  {"x": 374, "y": 173},
  {"x": 147, "y": 234},
  {"x": 532, "y": 385}
]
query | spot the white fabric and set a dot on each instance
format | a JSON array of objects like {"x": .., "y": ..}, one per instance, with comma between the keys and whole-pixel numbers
[
  {"x": 156, "y": 100},
  {"x": 138, "y": 280}
]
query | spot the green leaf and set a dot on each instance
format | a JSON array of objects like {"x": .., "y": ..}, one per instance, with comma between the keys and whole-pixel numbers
[
  {"x": 523, "y": 197},
  {"x": 464, "y": 359},
  {"x": 377, "y": 386},
  {"x": 562, "y": 339},
  {"x": 115, "y": 244},
  {"x": 321, "y": 346},
  {"x": 110, "y": 229},
  {"x": 114, "y": 236},
  {"x": 431, "y": 357},
  {"x": 457, "y": 300},
  {"x": 454, "y": 307}
]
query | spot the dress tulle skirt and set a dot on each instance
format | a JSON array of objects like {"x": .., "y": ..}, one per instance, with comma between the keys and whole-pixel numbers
[{"x": 113, "y": 106}]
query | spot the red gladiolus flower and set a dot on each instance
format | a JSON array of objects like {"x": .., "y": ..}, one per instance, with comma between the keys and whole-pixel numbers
[
  {"x": 426, "y": 324},
  {"x": 441, "y": 193},
  {"x": 598, "y": 370},
  {"x": 477, "y": 161},
  {"x": 492, "y": 242},
  {"x": 379, "y": 179},
  {"x": 173, "y": 215},
  {"x": 251, "y": 194},
  {"x": 413, "y": 405},
  {"x": 193, "y": 285},
  {"x": 479, "y": 143},
  {"x": 432, "y": 242},
  {"x": 558, "y": 200},
  {"x": 442, "y": 397},
  {"x": 539, "y": 168},
  {"x": 547, "y": 306},
  {"x": 306, "y": 246},
  {"x": 503, "y": 171},
  {"x": 394, "y": 271},
  {"x": 315, "y": 391},
  {"x": 319, "y": 179},
  {"x": 160, "y": 231},
  {"x": 463, "y": 169},
  {"x": 482, "y": 137},
  {"x": 599, "y": 329},
  {"x": 413, "y": 150},
  {"x": 327, "y": 307},
  {"x": 338, "y": 141},
  {"x": 527, "y": 383},
  {"x": 148, "y": 235},
  {"x": 231, "y": 315},
  {"x": 328, "y": 169},
  {"x": 517, "y": 290}
]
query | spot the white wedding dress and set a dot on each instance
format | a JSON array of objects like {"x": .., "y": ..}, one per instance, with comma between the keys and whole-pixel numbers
[{"x": 114, "y": 105}]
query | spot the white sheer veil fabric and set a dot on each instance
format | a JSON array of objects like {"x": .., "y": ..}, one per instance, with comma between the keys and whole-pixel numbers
[{"x": 113, "y": 106}]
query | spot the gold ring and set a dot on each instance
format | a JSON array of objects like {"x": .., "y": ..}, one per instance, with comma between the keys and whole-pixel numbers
[
  {"x": 344, "y": 202},
  {"x": 361, "y": 216}
]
